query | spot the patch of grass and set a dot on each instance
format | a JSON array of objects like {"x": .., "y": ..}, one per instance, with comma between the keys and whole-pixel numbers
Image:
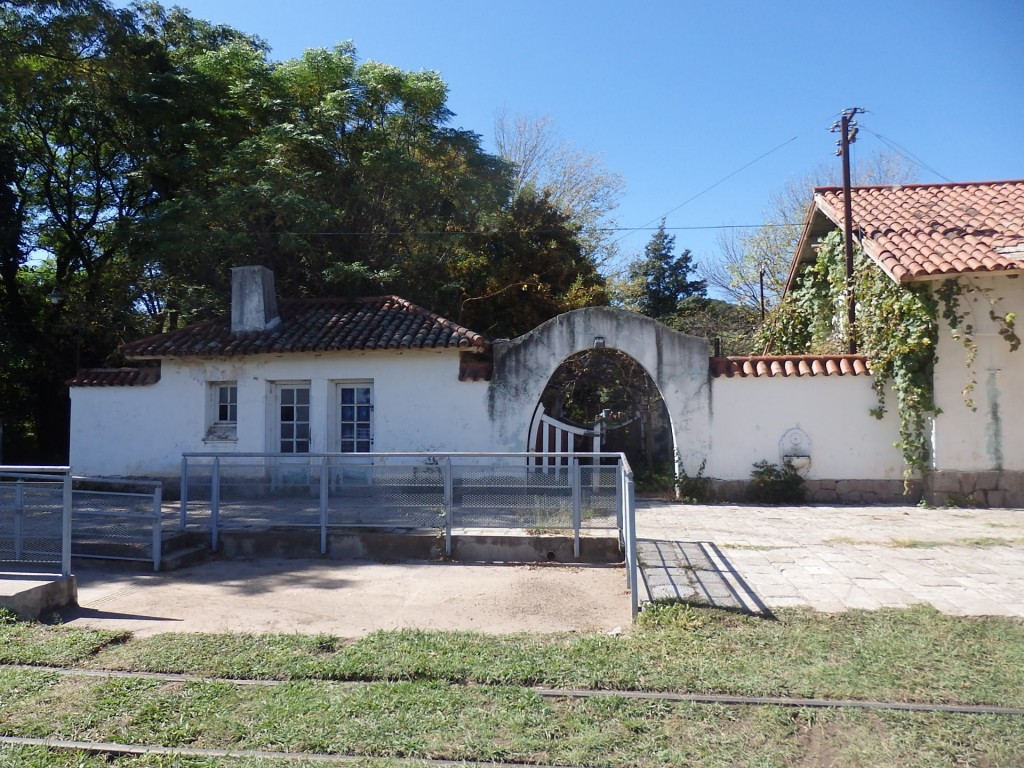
[
  {"x": 229, "y": 655},
  {"x": 980, "y": 542},
  {"x": 916, "y": 544},
  {"x": 668, "y": 614},
  {"x": 915, "y": 654},
  {"x": 24, "y": 642},
  {"x": 439, "y": 721}
]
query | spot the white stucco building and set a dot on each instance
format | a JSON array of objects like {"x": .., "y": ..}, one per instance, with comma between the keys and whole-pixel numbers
[
  {"x": 381, "y": 374},
  {"x": 321, "y": 375}
]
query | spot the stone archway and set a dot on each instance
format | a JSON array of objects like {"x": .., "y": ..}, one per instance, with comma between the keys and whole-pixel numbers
[{"x": 677, "y": 363}]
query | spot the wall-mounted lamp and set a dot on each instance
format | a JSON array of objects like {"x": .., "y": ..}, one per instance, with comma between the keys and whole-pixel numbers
[
  {"x": 55, "y": 297},
  {"x": 599, "y": 342}
]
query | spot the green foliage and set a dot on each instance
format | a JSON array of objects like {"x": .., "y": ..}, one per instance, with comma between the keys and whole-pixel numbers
[
  {"x": 143, "y": 153},
  {"x": 663, "y": 480},
  {"x": 696, "y": 489},
  {"x": 772, "y": 484},
  {"x": 670, "y": 614},
  {"x": 660, "y": 479},
  {"x": 897, "y": 329},
  {"x": 659, "y": 281},
  {"x": 732, "y": 326}
]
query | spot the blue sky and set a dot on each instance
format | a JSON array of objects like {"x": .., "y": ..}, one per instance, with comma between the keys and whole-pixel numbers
[{"x": 676, "y": 96}]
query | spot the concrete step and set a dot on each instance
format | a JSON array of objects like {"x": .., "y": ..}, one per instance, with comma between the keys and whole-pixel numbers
[
  {"x": 178, "y": 549},
  {"x": 183, "y": 558}
]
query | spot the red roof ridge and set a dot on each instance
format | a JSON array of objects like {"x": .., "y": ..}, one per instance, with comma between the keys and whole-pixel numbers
[
  {"x": 785, "y": 366},
  {"x": 920, "y": 185}
]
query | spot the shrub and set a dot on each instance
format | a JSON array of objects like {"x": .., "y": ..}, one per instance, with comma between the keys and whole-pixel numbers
[{"x": 772, "y": 484}]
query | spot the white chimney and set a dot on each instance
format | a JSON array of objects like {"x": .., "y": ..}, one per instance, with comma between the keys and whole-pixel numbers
[{"x": 253, "y": 300}]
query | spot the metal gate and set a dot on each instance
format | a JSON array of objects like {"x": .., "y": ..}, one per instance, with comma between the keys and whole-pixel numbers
[{"x": 549, "y": 435}]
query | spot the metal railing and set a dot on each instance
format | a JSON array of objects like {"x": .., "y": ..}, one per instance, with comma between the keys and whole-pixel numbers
[
  {"x": 440, "y": 491},
  {"x": 35, "y": 517},
  {"x": 117, "y": 524}
]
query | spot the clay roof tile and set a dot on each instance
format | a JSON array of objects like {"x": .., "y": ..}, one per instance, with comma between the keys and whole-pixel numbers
[
  {"x": 795, "y": 366},
  {"x": 923, "y": 230},
  {"x": 316, "y": 325}
]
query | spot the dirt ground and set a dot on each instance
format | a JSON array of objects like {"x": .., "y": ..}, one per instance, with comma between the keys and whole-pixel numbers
[{"x": 354, "y": 598}]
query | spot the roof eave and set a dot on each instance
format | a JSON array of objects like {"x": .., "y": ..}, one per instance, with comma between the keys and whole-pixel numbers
[{"x": 818, "y": 220}]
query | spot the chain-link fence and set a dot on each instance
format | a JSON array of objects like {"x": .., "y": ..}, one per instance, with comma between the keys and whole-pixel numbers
[
  {"x": 35, "y": 518},
  {"x": 434, "y": 491},
  {"x": 117, "y": 519},
  {"x": 461, "y": 492}
]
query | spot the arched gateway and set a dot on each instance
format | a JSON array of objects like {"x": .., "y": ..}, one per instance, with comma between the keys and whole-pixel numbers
[{"x": 677, "y": 363}]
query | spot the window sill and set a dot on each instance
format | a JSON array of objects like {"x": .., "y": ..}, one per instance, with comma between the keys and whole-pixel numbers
[{"x": 221, "y": 433}]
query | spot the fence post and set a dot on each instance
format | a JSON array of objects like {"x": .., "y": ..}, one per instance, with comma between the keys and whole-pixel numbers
[
  {"x": 577, "y": 494},
  {"x": 19, "y": 518},
  {"x": 619, "y": 495},
  {"x": 446, "y": 482},
  {"x": 214, "y": 503},
  {"x": 183, "y": 497},
  {"x": 158, "y": 498},
  {"x": 630, "y": 515},
  {"x": 65, "y": 546},
  {"x": 325, "y": 471}
]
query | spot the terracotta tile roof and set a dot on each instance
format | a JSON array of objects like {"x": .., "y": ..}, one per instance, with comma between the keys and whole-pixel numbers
[
  {"x": 768, "y": 366},
  {"x": 115, "y": 377},
  {"x": 316, "y": 325},
  {"x": 920, "y": 231}
]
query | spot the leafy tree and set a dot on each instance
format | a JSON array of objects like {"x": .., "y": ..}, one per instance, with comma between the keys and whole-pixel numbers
[
  {"x": 143, "y": 153},
  {"x": 731, "y": 328},
  {"x": 73, "y": 122},
  {"x": 576, "y": 181},
  {"x": 529, "y": 270},
  {"x": 659, "y": 281}
]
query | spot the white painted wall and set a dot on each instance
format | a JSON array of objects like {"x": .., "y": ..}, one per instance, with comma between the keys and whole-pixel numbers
[
  {"x": 992, "y": 436},
  {"x": 419, "y": 405},
  {"x": 677, "y": 363},
  {"x": 749, "y": 417}
]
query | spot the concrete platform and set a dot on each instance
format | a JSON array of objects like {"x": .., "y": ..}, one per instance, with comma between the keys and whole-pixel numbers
[
  {"x": 468, "y": 545},
  {"x": 31, "y": 595}
]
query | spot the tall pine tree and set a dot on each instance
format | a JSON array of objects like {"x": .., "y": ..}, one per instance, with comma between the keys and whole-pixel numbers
[{"x": 660, "y": 280}]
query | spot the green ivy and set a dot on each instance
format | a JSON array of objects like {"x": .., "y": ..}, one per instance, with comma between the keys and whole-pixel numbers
[{"x": 897, "y": 330}]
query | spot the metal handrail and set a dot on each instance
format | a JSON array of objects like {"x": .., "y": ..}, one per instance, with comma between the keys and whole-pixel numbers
[
  {"x": 624, "y": 488},
  {"x": 61, "y": 474}
]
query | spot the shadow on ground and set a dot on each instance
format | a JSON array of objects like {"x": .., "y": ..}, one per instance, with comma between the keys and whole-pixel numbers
[{"x": 694, "y": 572}]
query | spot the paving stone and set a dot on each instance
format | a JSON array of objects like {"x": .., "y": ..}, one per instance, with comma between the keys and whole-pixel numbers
[{"x": 842, "y": 557}]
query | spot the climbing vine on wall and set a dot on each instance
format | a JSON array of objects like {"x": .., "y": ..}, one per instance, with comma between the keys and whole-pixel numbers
[{"x": 897, "y": 329}]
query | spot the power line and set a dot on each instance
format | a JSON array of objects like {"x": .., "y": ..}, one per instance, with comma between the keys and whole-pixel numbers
[
  {"x": 488, "y": 233},
  {"x": 708, "y": 189},
  {"x": 906, "y": 154}
]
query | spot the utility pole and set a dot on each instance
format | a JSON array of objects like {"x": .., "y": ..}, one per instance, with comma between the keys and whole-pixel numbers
[{"x": 847, "y": 128}]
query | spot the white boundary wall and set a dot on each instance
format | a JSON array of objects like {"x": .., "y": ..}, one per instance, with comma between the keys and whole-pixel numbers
[
  {"x": 420, "y": 405},
  {"x": 750, "y": 416}
]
